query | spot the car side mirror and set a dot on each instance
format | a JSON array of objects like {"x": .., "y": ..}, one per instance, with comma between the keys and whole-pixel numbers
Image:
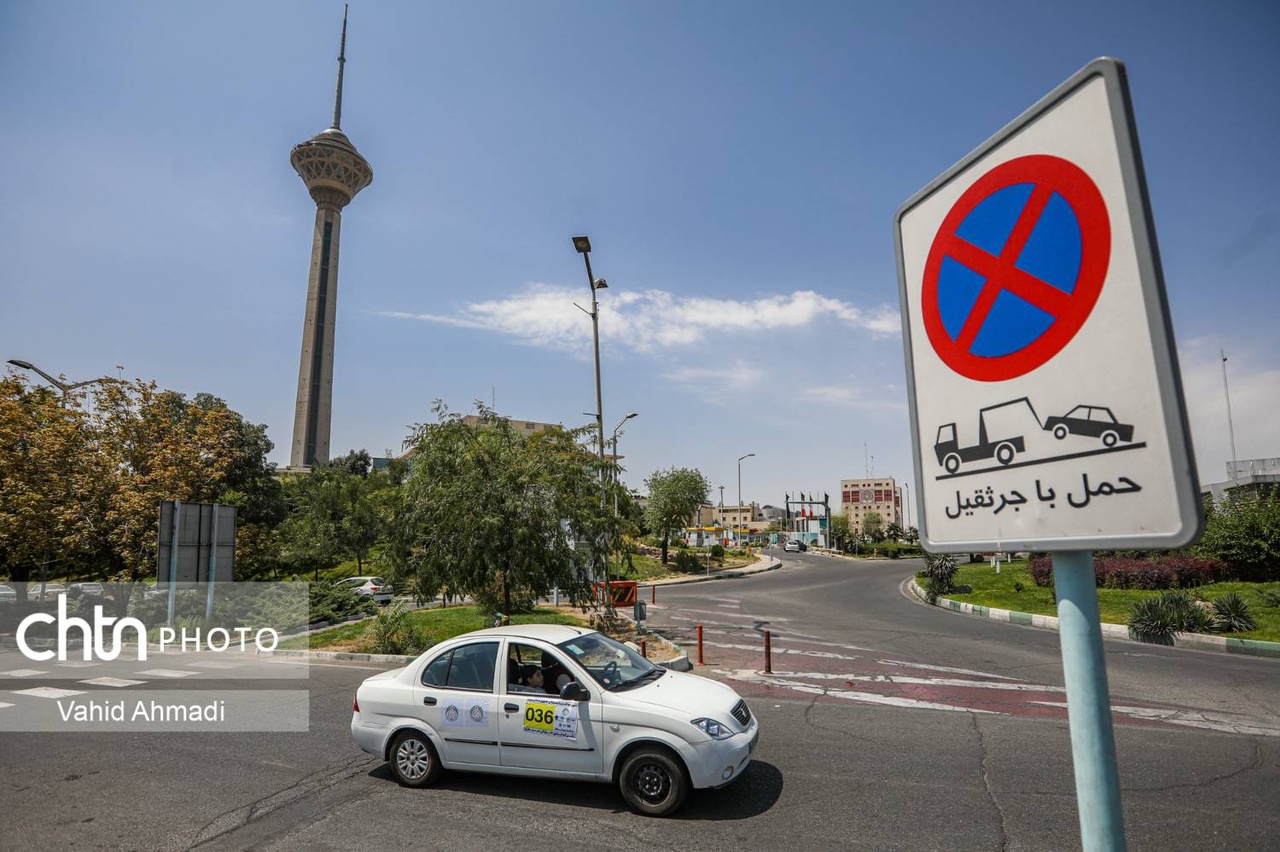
[{"x": 574, "y": 691}]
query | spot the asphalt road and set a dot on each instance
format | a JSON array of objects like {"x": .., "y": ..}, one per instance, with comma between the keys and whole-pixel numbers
[{"x": 874, "y": 737}]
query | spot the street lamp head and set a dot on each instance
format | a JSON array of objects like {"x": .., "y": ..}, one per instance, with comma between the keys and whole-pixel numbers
[
  {"x": 582, "y": 244},
  {"x": 599, "y": 284},
  {"x": 632, "y": 414},
  {"x": 26, "y": 365},
  {"x": 747, "y": 456}
]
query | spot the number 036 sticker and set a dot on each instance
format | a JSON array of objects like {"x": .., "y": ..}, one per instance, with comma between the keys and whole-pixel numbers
[{"x": 557, "y": 718}]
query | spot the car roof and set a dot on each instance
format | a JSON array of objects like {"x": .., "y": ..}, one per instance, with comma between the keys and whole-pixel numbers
[{"x": 553, "y": 633}]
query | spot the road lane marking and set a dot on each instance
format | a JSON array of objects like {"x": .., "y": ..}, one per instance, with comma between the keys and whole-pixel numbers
[
  {"x": 22, "y": 673},
  {"x": 1190, "y": 719},
  {"x": 926, "y": 681},
  {"x": 861, "y": 697},
  {"x": 166, "y": 673},
  {"x": 48, "y": 692},
  {"x": 112, "y": 681}
]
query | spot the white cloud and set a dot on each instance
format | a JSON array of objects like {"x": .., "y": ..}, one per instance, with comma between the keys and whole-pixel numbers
[
  {"x": 848, "y": 396},
  {"x": 651, "y": 320},
  {"x": 718, "y": 383}
]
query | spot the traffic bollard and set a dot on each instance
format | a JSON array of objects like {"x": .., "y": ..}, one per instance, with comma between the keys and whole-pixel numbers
[
  {"x": 700, "y": 645},
  {"x": 653, "y": 594},
  {"x": 768, "y": 654},
  {"x": 644, "y": 649}
]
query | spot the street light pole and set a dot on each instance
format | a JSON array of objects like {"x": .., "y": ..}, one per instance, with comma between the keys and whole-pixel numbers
[
  {"x": 583, "y": 246},
  {"x": 737, "y": 533},
  {"x": 64, "y": 388},
  {"x": 615, "y": 477}
]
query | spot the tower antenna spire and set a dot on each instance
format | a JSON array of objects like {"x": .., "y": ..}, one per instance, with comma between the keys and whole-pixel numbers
[{"x": 342, "y": 60}]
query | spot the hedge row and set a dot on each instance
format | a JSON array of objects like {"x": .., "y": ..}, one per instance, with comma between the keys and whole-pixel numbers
[{"x": 1127, "y": 572}]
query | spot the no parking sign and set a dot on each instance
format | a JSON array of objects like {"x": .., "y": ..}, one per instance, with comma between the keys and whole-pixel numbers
[{"x": 1046, "y": 401}]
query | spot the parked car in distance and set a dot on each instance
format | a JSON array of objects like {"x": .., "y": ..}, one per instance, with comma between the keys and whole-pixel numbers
[
  {"x": 45, "y": 591},
  {"x": 374, "y": 587},
  {"x": 794, "y": 546},
  {"x": 8, "y": 595},
  {"x": 598, "y": 712},
  {"x": 1093, "y": 421},
  {"x": 89, "y": 590}
]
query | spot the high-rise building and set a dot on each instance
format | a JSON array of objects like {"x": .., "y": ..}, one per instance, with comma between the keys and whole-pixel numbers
[{"x": 333, "y": 172}]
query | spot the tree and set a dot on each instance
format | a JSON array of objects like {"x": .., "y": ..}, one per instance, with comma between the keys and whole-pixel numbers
[
  {"x": 894, "y": 531},
  {"x": 80, "y": 486},
  {"x": 494, "y": 513},
  {"x": 674, "y": 497},
  {"x": 1244, "y": 532},
  {"x": 839, "y": 530},
  {"x": 873, "y": 526}
]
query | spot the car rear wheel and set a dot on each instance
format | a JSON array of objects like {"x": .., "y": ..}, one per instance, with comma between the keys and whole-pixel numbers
[
  {"x": 653, "y": 782},
  {"x": 1005, "y": 453},
  {"x": 1060, "y": 431},
  {"x": 1109, "y": 439},
  {"x": 414, "y": 761}
]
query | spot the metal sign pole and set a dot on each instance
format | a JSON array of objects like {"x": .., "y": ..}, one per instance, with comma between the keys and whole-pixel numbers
[
  {"x": 173, "y": 559},
  {"x": 213, "y": 565},
  {"x": 1093, "y": 745}
]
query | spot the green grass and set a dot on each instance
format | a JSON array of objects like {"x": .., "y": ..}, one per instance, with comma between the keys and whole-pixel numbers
[
  {"x": 646, "y": 568},
  {"x": 997, "y": 590},
  {"x": 440, "y": 624}
]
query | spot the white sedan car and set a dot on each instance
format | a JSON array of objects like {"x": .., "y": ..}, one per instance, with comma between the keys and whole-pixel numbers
[{"x": 604, "y": 713}]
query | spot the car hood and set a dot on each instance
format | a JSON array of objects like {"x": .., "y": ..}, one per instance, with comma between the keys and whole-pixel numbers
[{"x": 686, "y": 693}]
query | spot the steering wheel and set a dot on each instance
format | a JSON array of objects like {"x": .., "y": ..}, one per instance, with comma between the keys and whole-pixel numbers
[{"x": 611, "y": 675}]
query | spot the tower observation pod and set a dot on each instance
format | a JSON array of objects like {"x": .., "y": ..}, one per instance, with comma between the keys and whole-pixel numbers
[{"x": 333, "y": 171}]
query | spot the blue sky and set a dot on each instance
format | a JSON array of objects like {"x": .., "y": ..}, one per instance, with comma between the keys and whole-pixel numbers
[{"x": 737, "y": 166}]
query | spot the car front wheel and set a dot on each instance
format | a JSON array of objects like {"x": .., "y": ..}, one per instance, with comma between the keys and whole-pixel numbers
[
  {"x": 413, "y": 761},
  {"x": 653, "y": 783}
]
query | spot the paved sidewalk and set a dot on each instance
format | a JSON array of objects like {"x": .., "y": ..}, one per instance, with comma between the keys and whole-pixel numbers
[{"x": 1222, "y": 644}]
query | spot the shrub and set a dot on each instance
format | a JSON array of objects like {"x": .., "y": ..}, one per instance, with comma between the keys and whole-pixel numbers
[
  {"x": 393, "y": 632},
  {"x": 1231, "y": 614},
  {"x": 330, "y": 603},
  {"x": 1157, "y": 619},
  {"x": 1041, "y": 568},
  {"x": 687, "y": 562},
  {"x": 941, "y": 569},
  {"x": 717, "y": 551},
  {"x": 1270, "y": 597}
]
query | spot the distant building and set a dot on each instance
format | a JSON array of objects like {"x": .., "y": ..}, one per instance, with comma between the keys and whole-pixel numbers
[
  {"x": 860, "y": 497},
  {"x": 1249, "y": 478}
]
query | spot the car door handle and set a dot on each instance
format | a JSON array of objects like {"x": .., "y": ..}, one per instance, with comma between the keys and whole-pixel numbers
[
  {"x": 511, "y": 708},
  {"x": 429, "y": 701}
]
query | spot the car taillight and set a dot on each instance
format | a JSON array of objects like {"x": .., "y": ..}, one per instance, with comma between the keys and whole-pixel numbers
[
  {"x": 355, "y": 704},
  {"x": 373, "y": 588}
]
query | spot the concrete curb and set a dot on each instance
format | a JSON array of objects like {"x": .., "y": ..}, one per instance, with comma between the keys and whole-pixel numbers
[
  {"x": 765, "y": 563},
  {"x": 1221, "y": 644}
]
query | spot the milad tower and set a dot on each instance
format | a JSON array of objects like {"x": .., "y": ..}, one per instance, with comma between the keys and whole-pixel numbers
[{"x": 333, "y": 172}]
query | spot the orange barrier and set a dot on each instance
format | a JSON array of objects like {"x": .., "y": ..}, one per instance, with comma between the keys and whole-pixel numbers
[{"x": 621, "y": 592}]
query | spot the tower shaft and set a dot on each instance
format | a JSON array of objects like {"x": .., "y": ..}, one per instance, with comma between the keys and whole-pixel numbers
[{"x": 313, "y": 415}]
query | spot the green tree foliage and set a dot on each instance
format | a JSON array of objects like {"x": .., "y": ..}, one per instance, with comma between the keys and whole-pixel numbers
[
  {"x": 840, "y": 530},
  {"x": 338, "y": 511},
  {"x": 674, "y": 497},
  {"x": 491, "y": 512},
  {"x": 1243, "y": 532},
  {"x": 873, "y": 526},
  {"x": 893, "y": 532}
]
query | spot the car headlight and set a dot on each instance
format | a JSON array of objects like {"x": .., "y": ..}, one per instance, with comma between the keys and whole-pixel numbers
[{"x": 712, "y": 728}]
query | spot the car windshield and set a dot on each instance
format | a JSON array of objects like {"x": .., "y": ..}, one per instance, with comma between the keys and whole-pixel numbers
[{"x": 612, "y": 664}]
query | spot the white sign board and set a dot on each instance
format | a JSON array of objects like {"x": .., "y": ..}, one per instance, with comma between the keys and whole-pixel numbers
[{"x": 1046, "y": 402}]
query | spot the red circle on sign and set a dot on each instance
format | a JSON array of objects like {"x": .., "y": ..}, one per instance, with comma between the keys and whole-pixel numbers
[{"x": 1047, "y": 176}]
